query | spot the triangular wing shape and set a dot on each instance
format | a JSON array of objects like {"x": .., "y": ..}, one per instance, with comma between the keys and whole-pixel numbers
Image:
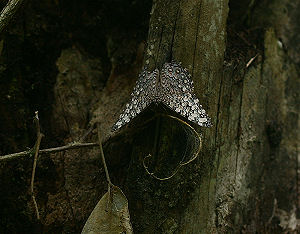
[
  {"x": 141, "y": 97},
  {"x": 177, "y": 92}
]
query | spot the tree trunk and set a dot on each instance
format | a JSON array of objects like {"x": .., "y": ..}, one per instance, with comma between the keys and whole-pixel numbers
[
  {"x": 244, "y": 58},
  {"x": 191, "y": 32}
]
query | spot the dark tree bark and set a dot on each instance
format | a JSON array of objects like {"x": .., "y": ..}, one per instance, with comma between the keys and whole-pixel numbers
[{"x": 244, "y": 59}]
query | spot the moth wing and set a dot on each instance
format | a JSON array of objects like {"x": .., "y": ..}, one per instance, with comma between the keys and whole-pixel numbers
[
  {"x": 178, "y": 94},
  {"x": 141, "y": 97}
]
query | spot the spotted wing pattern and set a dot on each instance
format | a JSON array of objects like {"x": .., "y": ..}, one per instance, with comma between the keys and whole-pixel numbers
[
  {"x": 143, "y": 94},
  {"x": 174, "y": 88},
  {"x": 177, "y": 92}
]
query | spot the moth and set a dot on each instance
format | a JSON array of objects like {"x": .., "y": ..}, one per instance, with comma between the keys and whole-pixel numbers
[{"x": 173, "y": 87}]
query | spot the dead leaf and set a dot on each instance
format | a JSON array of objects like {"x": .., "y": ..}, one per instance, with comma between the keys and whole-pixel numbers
[{"x": 111, "y": 215}]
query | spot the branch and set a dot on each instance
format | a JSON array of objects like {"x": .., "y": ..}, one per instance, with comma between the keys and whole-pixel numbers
[
  {"x": 39, "y": 136},
  {"x": 73, "y": 145},
  {"x": 68, "y": 147},
  {"x": 48, "y": 151},
  {"x": 8, "y": 13}
]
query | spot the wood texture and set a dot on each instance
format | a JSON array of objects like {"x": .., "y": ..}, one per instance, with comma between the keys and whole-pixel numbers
[
  {"x": 191, "y": 32},
  {"x": 251, "y": 142}
]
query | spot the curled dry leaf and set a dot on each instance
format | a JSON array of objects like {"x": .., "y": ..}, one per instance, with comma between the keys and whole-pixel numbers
[{"x": 111, "y": 214}]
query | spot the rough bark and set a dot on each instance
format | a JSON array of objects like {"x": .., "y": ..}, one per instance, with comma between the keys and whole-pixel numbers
[
  {"x": 192, "y": 32},
  {"x": 246, "y": 178}
]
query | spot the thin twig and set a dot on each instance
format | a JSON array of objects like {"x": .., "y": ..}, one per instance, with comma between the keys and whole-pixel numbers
[
  {"x": 8, "y": 157},
  {"x": 103, "y": 158},
  {"x": 37, "y": 146},
  {"x": 68, "y": 147},
  {"x": 48, "y": 151},
  {"x": 251, "y": 60},
  {"x": 8, "y": 13}
]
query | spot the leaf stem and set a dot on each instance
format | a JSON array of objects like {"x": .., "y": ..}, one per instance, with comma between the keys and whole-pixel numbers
[{"x": 103, "y": 158}]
